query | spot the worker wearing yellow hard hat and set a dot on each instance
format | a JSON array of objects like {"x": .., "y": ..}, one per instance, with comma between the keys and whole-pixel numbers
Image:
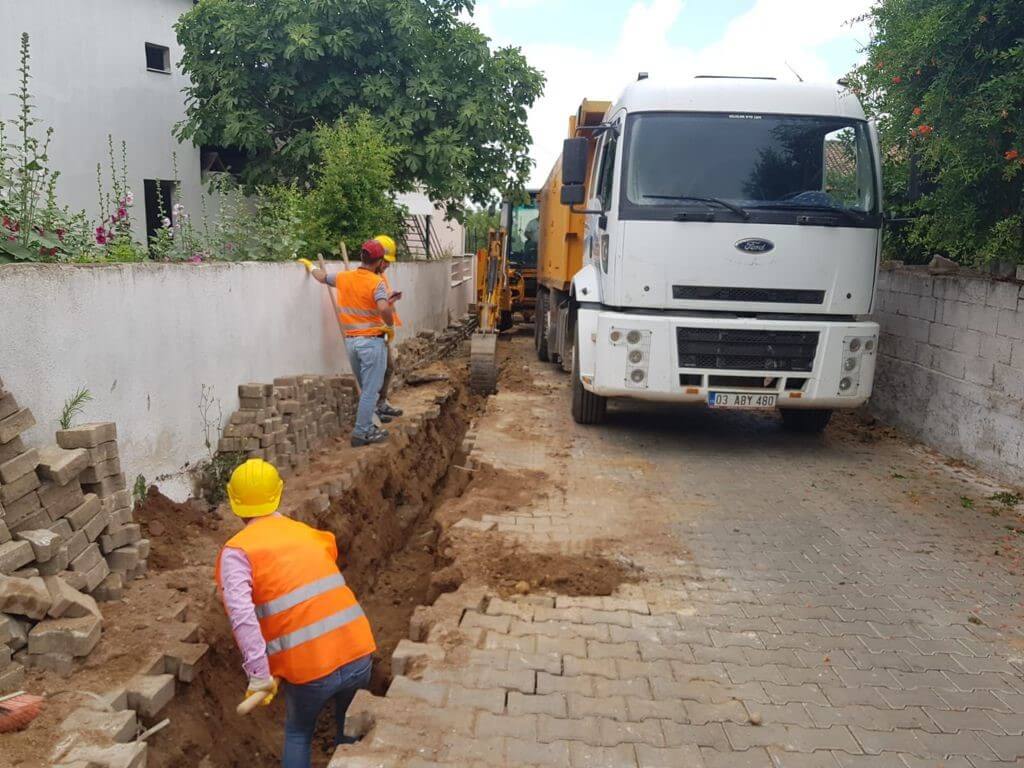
[
  {"x": 292, "y": 615},
  {"x": 385, "y": 410}
]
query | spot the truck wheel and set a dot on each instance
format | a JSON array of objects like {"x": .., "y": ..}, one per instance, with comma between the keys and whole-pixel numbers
[
  {"x": 805, "y": 422},
  {"x": 587, "y": 408},
  {"x": 540, "y": 327}
]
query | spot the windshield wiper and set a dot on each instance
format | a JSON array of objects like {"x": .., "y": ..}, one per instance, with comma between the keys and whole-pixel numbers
[
  {"x": 782, "y": 205},
  {"x": 734, "y": 208}
]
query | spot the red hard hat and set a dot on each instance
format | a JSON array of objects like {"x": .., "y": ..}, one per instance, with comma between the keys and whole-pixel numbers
[{"x": 372, "y": 251}]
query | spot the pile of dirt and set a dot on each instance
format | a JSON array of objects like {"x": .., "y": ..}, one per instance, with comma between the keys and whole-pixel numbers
[{"x": 179, "y": 532}]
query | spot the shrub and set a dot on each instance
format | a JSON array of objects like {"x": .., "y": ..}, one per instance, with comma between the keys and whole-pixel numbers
[{"x": 350, "y": 198}]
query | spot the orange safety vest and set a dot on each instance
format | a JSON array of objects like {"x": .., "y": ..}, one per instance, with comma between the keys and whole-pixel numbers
[
  {"x": 356, "y": 306},
  {"x": 398, "y": 320},
  {"x": 311, "y": 621}
]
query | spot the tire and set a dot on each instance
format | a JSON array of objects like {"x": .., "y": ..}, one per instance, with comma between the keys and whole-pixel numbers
[
  {"x": 540, "y": 327},
  {"x": 506, "y": 320},
  {"x": 587, "y": 408},
  {"x": 811, "y": 422}
]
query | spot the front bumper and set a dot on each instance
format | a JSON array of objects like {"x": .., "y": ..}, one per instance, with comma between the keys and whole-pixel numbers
[{"x": 836, "y": 370}]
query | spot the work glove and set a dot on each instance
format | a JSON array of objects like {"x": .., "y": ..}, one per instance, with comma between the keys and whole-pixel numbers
[
  {"x": 260, "y": 684},
  {"x": 389, "y": 333},
  {"x": 307, "y": 264}
]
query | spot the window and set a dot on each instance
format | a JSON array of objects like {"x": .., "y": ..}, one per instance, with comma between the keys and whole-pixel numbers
[
  {"x": 160, "y": 199},
  {"x": 772, "y": 163},
  {"x": 604, "y": 182},
  {"x": 158, "y": 58}
]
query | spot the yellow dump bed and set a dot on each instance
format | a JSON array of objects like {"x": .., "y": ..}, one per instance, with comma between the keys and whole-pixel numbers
[{"x": 560, "y": 249}]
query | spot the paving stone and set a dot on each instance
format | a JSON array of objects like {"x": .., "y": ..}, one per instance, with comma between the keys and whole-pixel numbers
[
  {"x": 14, "y": 631},
  {"x": 95, "y": 575},
  {"x": 668, "y": 757},
  {"x": 96, "y": 473},
  {"x": 587, "y": 756},
  {"x": 12, "y": 677},
  {"x": 18, "y": 422},
  {"x": 61, "y": 466},
  {"x": 86, "y": 511},
  {"x": 18, "y": 488},
  {"x": 87, "y": 435},
  {"x": 492, "y": 700},
  {"x": 73, "y": 637},
  {"x": 119, "y": 727},
  {"x": 116, "y": 756},
  {"x": 36, "y": 519},
  {"x": 11, "y": 448},
  {"x": 15, "y": 555},
  {"x": 59, "y": 663},
  {"x": 45, "y": 543},
  {"x": 95, "y": 527},
  {"x": 183, "y": 658},
  {"x": 922, "y": 743},
  {"x": 59, "y": 500},
  {"x": 89, "y": 558},
  {"x": 13, "y": 470},
  {"x": 149, "y": 694},
  {"x": 106, "y": 487},
  {"x": 24, "y": 597},
  {"x": 553, "y": 704},
  {"x": 791, "y": 738},
  {"x": 405, "y": 687},
  {"x": 69, "y": 602},
  {"x": 127, "y": 558},
  {"x": 5, "y": 532},
  {"x": 110, "y": 589}
]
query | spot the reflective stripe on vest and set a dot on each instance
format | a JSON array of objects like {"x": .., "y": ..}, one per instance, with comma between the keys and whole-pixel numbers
[
  {"x": 308, "y": 616},
  {"x": 315, "y": 630},
  {"x": 357, "y": 308},
  {"x": 300, "y": 595}
]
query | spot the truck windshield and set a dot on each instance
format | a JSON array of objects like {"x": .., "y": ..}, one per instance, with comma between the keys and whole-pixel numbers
[{"x": 755, "y": 162}]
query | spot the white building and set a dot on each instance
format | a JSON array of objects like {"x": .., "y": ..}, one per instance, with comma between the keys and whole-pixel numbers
[
  {"x": 112, "y": 68},
  {"x": 104, "y": 68}
]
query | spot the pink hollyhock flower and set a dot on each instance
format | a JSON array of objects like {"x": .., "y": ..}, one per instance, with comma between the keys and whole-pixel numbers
[
  {"x": 197, "y": 258},
  {"x": 101, "y": 236}
]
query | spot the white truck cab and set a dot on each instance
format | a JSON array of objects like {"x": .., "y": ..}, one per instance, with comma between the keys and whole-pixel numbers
[{"x": 731, "y": 246}]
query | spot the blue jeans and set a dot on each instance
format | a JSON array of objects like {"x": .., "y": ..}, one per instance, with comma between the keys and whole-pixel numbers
[
  {"x": 369, "y": 358},
  {"x": 303, "y": 704}
]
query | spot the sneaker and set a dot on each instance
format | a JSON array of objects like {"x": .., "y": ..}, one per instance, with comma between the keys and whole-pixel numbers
[
  {"x": 384, "y": 418},
  {"x": 387, "y": 409},
  {"x": 374, "y": 436}
]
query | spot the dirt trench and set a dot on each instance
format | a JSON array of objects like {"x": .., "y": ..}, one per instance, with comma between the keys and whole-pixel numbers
[{"x": 381, "y": 511}]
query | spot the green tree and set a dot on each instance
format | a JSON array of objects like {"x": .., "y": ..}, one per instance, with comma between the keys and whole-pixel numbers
[
  {"x": 477, "y": 224},
  {"x": 265, "y": 73},
  {"x": 350, "y": 198},
  {"x": 945, "y": 79}
]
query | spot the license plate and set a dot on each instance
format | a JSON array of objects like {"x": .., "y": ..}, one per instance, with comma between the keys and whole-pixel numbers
[{"x": 741, "y": 400}]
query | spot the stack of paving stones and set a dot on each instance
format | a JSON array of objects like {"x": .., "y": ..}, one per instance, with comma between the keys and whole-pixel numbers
[
  {"x": 114, "y": 550},
  {"x": 285, "y": 421}
]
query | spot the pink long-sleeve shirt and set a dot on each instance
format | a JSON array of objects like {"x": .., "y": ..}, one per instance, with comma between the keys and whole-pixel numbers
[{"x": 236, "y": 584}]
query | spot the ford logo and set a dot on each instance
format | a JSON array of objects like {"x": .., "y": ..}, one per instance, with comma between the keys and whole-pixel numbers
[{"x": 755, "y": 245}]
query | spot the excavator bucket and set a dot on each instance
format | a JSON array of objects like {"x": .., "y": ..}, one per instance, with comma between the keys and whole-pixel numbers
[{"x": 483, "y": 363}]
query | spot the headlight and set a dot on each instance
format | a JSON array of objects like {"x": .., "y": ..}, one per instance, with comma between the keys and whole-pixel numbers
[
  {"x": 633, "y": 337},
  {"x": 850, "y": 364},
  {"x": 869, "y": 345},
  {"x": 637, "y": 375},
  {"x": 854, "y": 345},
  {"x": 635, "y": 356},
  {"x": 615, "y": 336},
  {"x": 845, "y": 384}
]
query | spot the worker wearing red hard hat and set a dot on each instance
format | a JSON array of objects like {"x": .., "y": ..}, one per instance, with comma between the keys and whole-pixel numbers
[
  {"x": 291, "y": 613},
  {"x": 367, "y": 319}
]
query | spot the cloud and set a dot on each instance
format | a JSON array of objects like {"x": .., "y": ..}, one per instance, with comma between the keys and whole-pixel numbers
[{"x": 769, "y": 39}]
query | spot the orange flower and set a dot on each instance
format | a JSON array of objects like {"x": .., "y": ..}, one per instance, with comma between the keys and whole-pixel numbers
[
  {"x": 897, "y": 79},
  {"x": 1013, "y": 154},
  {"x": 917, "y": 111},
  {"x": 924, "y": 130}
]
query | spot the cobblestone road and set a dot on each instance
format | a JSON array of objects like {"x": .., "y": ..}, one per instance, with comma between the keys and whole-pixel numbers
[{"x": 850, "y": 601}]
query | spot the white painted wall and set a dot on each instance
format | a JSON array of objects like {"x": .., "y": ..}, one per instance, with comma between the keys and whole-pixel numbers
[
  {"x": 89, "y": 79},
  {"x": 145, "y": 338}
]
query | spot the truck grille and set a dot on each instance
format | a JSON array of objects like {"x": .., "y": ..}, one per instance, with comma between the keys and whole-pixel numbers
[
  {"x": 743, "y": 350},
  {"x": 762, "y": 295}
]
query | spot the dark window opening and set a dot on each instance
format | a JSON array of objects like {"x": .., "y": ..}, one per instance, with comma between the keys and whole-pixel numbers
[
  {"x": 222, "y": 160},
  {"x": 159, "y": 203},
  {"x": 158, "y": 58}
]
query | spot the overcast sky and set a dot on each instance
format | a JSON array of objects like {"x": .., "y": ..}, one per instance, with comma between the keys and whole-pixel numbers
[{"x": 592, "y": 48}]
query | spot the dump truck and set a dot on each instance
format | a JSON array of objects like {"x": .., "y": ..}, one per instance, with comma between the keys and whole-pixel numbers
[{"x": 714, "y": 242}]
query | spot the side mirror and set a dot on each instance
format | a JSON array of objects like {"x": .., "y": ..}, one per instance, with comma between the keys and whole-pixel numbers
[
  {"x": 573, "y": 194},
  {"x": 574, "y": 161},
  {"x": 506, "y": 216}
]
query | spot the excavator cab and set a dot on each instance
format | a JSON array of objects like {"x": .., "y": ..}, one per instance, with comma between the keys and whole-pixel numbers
[{"x": 506, "y": 285}]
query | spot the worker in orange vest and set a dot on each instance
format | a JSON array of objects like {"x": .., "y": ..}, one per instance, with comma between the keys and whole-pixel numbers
[
  {"x": 367, "y": 319},
  {"x": 385, "y": 410},
  {"x": 292, "y": 615}
]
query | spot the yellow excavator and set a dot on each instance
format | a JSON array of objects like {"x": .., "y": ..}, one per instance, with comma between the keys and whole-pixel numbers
[{"x": 506, "y": 286}]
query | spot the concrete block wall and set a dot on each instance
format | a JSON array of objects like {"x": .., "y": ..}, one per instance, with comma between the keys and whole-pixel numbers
[
  {"x": 951, "y": 365},
  {"x": 155, "y": 342}
]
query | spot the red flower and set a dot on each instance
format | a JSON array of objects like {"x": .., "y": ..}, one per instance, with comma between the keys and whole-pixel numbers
[
  {"x": 1013, "y": 154},
  {"x": 897, "y": 79},
  {"x": 917, "y": 111},
  {"x": 924, "y": 130}
]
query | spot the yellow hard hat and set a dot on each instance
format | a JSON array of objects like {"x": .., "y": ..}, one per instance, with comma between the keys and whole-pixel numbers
[
  {"x": 389, "y": 246},
  {"x": 255, "y": 489}
]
